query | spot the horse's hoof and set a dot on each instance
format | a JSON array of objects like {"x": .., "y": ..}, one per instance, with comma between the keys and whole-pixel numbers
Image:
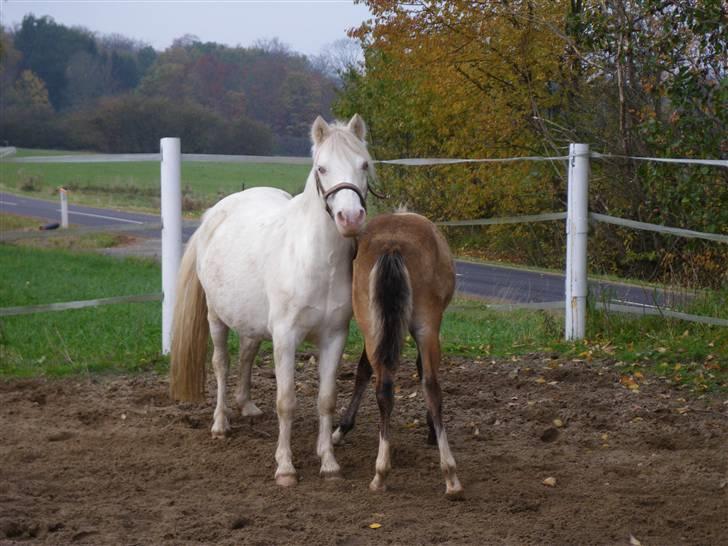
[
  {"x": 377, "y": 486},
  {"x": 287, "y": 480},
  {"x": 251, "y": 410},
  {"x": 331, "y": 475},
  {"x": 337, "y": 438},
  {"x": 455, "y": 494},
  {"x": 220, "y": 433}
]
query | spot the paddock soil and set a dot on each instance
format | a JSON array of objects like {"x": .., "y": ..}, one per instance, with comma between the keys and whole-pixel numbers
[{"x": 110, "y": 460}]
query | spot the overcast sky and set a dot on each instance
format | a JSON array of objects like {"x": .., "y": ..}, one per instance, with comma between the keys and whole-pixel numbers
[{"x": 305, "y": 26}]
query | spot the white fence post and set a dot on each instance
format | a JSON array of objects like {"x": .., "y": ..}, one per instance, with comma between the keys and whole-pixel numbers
[
  {"x": 577, "y": 227},
  {"x": 64, "y": 207},
  {"x": 171, "y": 232}
]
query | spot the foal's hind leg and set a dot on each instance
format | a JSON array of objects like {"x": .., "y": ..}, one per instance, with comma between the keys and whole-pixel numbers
[
  {"x": 363, "y": 375},
  {"x": 431, "y": 436},
  {"x": 429, "y": 346},
  {"x": 248, "y": 349},
  {"x": 219, "y": 334},
  {"x": 385, "y": 400}
]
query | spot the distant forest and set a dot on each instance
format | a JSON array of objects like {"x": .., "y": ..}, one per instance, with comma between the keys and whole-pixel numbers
[{"x": 69, "y": 88}]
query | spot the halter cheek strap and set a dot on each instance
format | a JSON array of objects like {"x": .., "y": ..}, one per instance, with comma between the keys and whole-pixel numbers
[{"x": 325, "y": 194}]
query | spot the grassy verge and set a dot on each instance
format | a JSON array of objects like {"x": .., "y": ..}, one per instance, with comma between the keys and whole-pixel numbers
[{"x": 136, "y": 185}]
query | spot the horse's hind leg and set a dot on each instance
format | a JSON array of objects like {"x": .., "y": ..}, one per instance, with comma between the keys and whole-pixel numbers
[
  {"x": 219, "y": 334},
  {"x": 385, "y": 400},
  {"x": 429, "y": 346},
  {"x": 248, "y": 349},
  {"x": 431, "y": 436},
  {"x": 363, "y": 375}
]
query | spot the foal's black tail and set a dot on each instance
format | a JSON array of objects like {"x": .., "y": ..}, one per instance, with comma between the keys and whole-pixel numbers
[{"x": 390, "y": 307}]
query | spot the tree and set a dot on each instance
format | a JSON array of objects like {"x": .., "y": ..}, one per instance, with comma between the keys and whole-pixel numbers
[
  {"x": 496, "y": 78},
  {"x": 47, "y": 48}
]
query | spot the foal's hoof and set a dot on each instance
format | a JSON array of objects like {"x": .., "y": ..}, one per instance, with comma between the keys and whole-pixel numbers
[
  {"x": 337, "y": 438},
  {"x": 287, "y": 480}
]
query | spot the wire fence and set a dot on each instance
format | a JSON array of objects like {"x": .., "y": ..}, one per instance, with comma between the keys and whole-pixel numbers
[{"x": 7, "y": 156}]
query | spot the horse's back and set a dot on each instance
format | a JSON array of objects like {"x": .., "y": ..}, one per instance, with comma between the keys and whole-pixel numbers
[{"x": 425, "y": 252}]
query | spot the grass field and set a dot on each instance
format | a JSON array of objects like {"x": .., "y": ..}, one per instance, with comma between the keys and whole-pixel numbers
[
  {"x": 126, "y": 337},
  {"x": 136, "y": 185}
]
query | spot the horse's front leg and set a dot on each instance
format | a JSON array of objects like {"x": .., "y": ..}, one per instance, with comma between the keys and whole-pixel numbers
[
  {"x": 332, "y": 347},
  {"x": 284, "y": 353}
]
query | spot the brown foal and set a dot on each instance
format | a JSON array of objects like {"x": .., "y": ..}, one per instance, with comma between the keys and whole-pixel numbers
[{"x": 403, "y": 280}]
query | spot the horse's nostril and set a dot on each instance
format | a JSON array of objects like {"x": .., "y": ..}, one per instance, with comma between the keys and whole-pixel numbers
[
  {"x": 340, "y": 216},
  {"x": 361, "y": 214}
]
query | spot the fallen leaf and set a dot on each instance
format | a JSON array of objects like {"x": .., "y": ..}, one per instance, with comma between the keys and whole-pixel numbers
[
  {"x": 550, "y": 481},
  {"x": 540, "y": 380},
  {"x": 683, "y": 410},
  {"x": 412, "y": 395},
  {"x": 633, "y": 541},
  {"x": 375, "y": 525},
  {"x": 558, "y": 423}
]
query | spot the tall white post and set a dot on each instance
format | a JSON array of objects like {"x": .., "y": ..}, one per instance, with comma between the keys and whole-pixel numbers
[
  {"x": 64, "y": 207},
  {"x": 577, "y": 227},
  {"x": 171, "y": 232}
]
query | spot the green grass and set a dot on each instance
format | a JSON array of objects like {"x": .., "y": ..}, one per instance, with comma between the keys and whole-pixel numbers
[
  {"x": 13, "y": 222},
  {"x": 28, "y": 152},
  {"x": 136, "y": 185},
  {"x": 115, "y": 337},
  {"x": 126, "y": 337},
  {"x": 686, "y": 354}
]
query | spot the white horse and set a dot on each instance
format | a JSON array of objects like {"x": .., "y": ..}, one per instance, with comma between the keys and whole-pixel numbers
[{"x": 272, "y": 266}]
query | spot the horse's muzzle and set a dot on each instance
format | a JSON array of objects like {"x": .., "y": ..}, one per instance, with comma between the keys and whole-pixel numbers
[{"x": 350, "y": 222}]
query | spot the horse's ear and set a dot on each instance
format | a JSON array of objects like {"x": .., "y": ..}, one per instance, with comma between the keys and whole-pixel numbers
[
  {"x": 319, "y": 131},
  {"x": 358, "y": 127}
]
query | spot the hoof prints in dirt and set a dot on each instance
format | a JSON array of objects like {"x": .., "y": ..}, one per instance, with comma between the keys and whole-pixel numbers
[{"x": 114, "y": 461}]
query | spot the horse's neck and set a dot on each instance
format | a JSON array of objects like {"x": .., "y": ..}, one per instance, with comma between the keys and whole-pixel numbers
[{"x": 318, "y": 238}]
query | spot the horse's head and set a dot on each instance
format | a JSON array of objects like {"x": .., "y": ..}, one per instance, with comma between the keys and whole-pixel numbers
[{"x": 342, "y": 166}]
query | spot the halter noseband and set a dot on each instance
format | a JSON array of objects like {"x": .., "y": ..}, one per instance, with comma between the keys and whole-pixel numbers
[{"x": 337, "y": 188}]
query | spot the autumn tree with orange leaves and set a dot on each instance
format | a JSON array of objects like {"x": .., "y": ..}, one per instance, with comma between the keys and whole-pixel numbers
[{"x": 497, "y": 78}]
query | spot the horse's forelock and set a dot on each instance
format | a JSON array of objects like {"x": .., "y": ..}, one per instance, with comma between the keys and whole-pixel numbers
[{"x": 341, "y": 138}]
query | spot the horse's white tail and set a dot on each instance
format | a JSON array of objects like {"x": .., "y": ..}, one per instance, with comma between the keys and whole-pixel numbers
[
  {"x": 190, "y": 331},
  {"x": 390, "y": 307}
]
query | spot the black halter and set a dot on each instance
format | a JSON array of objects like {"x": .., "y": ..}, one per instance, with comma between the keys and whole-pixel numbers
[
  {"x": 337, "y": 188},
  {"x": 343, "y": 186}
]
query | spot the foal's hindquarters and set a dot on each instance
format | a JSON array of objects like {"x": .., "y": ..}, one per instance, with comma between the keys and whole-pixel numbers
[{"x": 403, "y": 280}]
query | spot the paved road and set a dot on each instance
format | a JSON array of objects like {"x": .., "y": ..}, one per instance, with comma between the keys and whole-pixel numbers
[{"x": 499, "y": 283}]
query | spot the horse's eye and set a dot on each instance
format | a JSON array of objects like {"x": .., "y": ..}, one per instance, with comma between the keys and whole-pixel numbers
[
  {"x": 365, "y": 166},
  {"x": 322, "y": 170}
]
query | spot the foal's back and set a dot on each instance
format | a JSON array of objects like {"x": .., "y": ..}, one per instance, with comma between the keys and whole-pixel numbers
[{"x": 424, "y": 250}]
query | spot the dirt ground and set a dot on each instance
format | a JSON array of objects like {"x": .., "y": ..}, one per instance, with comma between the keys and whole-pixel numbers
[{"x": 110, "y": 460}]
